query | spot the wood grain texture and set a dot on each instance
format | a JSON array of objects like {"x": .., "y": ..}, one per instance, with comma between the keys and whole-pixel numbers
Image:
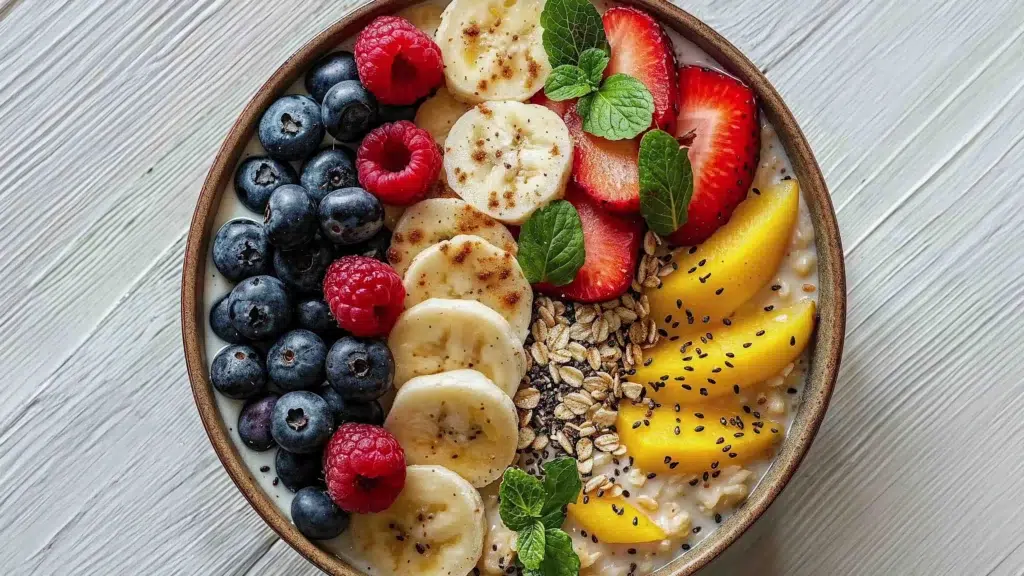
[{"x": 111, "y": 111}]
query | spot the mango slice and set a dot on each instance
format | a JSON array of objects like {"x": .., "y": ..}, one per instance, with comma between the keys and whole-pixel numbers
[
  {"x": 694, "y": 439},
  {"x": 615, "y": 521},
  {"x": 717, "y": 277},
  {"x": 729, "y": 358}
]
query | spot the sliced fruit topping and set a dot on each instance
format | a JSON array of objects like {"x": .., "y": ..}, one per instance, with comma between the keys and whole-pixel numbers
[
  {"x": 642, "y": 49},
  {"x": 614, "y": 520},
  {"x": 718, "y": 120},
  {"x": 605, "y": 169},
  {"x": 397, "y": 62},
  {"x": 436, "y": 526},
  {"x": 693, "y": 439},
  {"x": 460, "y": 420},
  {"x": 439, "y": 113},
  {"x": 714, "y": 279},
  {"x": 729, "y": 358},
  {"x": 612, "y": 245}
]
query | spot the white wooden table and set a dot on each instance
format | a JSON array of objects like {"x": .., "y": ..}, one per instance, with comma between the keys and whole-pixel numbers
[{"x": 110, "y": 114}]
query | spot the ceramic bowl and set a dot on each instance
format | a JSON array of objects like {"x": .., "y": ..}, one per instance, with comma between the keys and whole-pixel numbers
[{"x": 828, "y": 344}]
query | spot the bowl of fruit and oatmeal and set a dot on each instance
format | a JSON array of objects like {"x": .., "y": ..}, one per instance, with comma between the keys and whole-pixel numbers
[{"x": 513, "y": 287}]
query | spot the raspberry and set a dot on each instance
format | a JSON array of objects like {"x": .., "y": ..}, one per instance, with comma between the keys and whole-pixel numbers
[
  {"x": 397, "y": 62},
  {"x": 398, "y": 163},
  {"x": 365, "y": 468},
  {"x": 365, "y": 295}
]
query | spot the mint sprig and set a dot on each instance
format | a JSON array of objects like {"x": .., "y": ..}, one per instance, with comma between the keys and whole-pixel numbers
[
  {"x": 551, "y": 244},
  {"x": 618, "y": 108},
  {"x": 666, "y": 182},
  {"x": 536, "y": 512}
]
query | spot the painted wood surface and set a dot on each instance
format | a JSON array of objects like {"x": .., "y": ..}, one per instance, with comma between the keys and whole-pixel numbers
[{"x": 111, "y": 112}]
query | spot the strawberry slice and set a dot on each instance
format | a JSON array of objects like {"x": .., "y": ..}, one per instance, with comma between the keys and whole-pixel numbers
[
  {"x": 718, "y": 120},
  {"x": 642, "y": 49},
  {"x": 612, "y": 243},
  {"x": 606, "y": 170},
  {"x": 559, "y": 108}
]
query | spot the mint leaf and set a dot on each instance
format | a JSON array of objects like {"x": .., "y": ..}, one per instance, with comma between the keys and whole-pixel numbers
[
  {"x": 551, "y": 246},
  {"x": 521, "y": 499},
  {"x": 666, "y": 182},
  {"x": 530, "y": 545},
  {"x": 562, "y": 485},
  {"x": 621, "y": 109},
  {"x": 570, "y": 27},
  {"x": 567, "y": 82},
  {"x": 593, "y": 61},
  {"x": 559, "y": 557}
]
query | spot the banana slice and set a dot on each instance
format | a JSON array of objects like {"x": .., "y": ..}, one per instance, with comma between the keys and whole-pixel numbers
[
  {"x": 508, "y": 159},
  {"x": 471, "y": 268},
  {"x": 435, "y": 527},
  {"x": 459, "y": 420},
  {"x": 439, "y": 113},
  {"x": 431, "y": 221},
  {"x": 440, "y": 335},
  {"x": 493, "y": 49}
]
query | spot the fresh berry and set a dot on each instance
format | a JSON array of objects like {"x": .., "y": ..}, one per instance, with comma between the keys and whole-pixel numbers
[
  {"x": 397, "y": 62},
  {"x": 606, "y": 170},
  {"x": 297, "y": 471},
  {"x": 365, "y": 295},
  {"x": 331, "y": 69},
  {"x": 314, "y": 314},
  {"x": 640, "y": 48},
  {"x": 399, "y": 163},
  {"x": 365, "y": 468},
  {"x": 558, "y": 107},
  {"x": 220, "y": 322},
  {"x": 718, "y": 120},
  {"x": 296, "y": 361},
  {"x": 259, "y": 308},
  {"x": 317, "y": 516},
  {"x": 349, "y": 111},
  {"x": 388, "y": 114},
  {"x": 329, "y": 170},
  {"x": 352, "y": 411},
  {"x": 350, "y": 216},
  {"x": 238, "y": 372},
  {"x": 302, "y": 269},
  {"x": 302, "y": 422},
  {"x": 290, "y": 219},
  {"x": 257, "y": 177},
  {"x": 254, "y": 423},
  {"x": 291, "y": 128},
  {"x": 612, "y": 244},
  {"x": 360, "y": 369},
  {"x": 240, "y": 250}
]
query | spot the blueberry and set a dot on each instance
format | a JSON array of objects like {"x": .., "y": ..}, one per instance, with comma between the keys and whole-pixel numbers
[
  {"x": 259, "y": 308},
  {"x": 329, "y": 170},
  {"x": 220, "y": 322},
  {"x": 317, "y": 516},
  {"x": 254, "y": 423},
  {"x": 257, "y": 177},
  {"x": 360, "y": 369},
  {"x": 296, "y": 361},
  {"x": 389, "y": 114},
  {"x": 302, "y": 422},
  {"x": 238, "y": 372},
  {"x": 351, "y": 410},
  {"x": 303, "y": 268},
  {"x": 350, "y": 216},
  {"x": 328, "y": 71},
  {"x": 291, "y": 128},
  {"x": 315, "y": 315},
  {"x": 240, "y": 250},
  {"x": 297, "y": 471},
  {"x": 290, "y": 220},
  {"x": 376, "y": 247},
  {"x": 349, "y": 111}
]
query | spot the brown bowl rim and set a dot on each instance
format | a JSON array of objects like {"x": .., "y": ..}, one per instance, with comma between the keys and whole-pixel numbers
[{"x": 832, "y": 280}]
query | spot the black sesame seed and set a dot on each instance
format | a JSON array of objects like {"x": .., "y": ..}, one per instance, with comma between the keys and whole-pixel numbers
[
  {"x": 792, "y": 340},
  {"x": 719, "y": 291},
  {"x": 759, "y": 333}
]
